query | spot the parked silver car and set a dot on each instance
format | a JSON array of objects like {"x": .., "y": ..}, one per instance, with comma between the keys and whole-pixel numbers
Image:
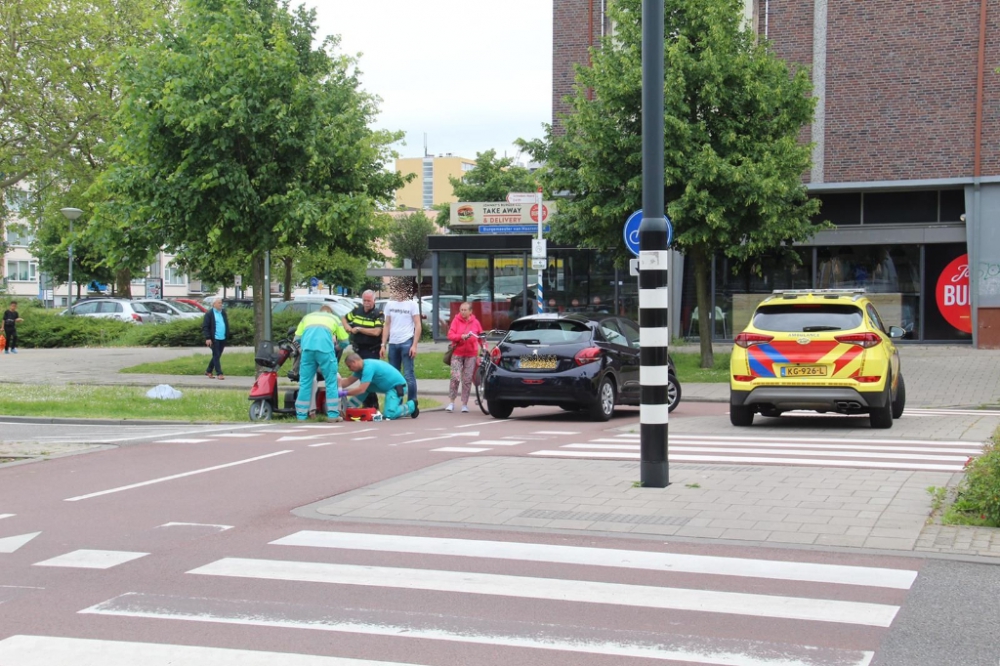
[
  {"x": 165, "y": 311},
  {"x": 121, "y": 309}
]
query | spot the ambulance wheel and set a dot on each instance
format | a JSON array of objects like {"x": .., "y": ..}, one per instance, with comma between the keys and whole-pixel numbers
[{"x": 260, "y": 410}]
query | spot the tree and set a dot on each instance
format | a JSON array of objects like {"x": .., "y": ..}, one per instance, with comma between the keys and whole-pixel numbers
[
  {"x": 492, "y": 179},
  {"x": 408, "y": 240},
  {"x": 58, "y": 94},
  {"x": 733, "y": 161},
  {"x": 237, "y": 137}
]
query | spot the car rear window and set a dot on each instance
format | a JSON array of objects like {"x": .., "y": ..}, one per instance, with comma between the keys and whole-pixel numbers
[
  {"x": 548, "y": 332},
  {"x": 805, "y": 317}
]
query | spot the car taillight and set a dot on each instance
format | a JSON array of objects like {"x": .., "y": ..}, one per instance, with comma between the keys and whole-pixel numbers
[
  {"x": 495, "y": 355},
  {"x": 867, "y": 379},
  {"x": 136, "y": 317},
  {"x": 746, "y": 340},
  {"x": 743, "y": 378},
  {"x": 588, "y": 355},
  {"x": 865, "y": 340}
]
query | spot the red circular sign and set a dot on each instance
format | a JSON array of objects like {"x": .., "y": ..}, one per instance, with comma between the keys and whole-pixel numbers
[
  {"x": 534, "y": 213},
  {"x": 953, "y": 298}
]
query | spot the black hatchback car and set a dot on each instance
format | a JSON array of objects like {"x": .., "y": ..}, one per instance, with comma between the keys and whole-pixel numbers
[{"x": 579, "y": 362}]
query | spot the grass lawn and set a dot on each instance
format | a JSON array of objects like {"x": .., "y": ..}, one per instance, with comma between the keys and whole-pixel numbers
[
  {"x": 428, "y": 366},
  {"x": 128, "y": 402},
  {"x": 240, "y": 364}
]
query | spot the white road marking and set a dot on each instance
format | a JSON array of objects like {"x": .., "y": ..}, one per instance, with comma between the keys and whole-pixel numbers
[
  {"x": 711, "y": 651},
  {"x": 401, "y": 434},
  {"x": 358, "y": 432},
  {"x": 7, "y": 515},
  {"x": 12, "y": 543},
  {"x": 200, "y": 431},
  {"x": 485, "y": 423},
  {"x": 448, "y": 436},
  {"x": 641, "y": 596},
  {"x": 336, "y": 441},
  {"x": 786, "y": 444},
  {"x": 299, "y": 438},
  {"x": 46, "y": 650},
  {"x": 458, "y": 449},
  {"x": 91, "y": 559},
  {"x": 901, "y": 579},
  {"x": 496, "y": 442},
  {"x": 556, "y": 432},
  {"x": 791, "y": 452},
  {"x": 362, "y": 439},
  {"x": 174, "y": 476},
  {"x": 183, "y": 441},
  {"x": 816, "y": 440},
  {"x": 221, "y": 528},
  {"x": 750, "y": 459}
]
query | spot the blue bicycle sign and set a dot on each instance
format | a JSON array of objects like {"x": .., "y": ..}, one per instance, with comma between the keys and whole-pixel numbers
[{"x": 631, "y": 232}]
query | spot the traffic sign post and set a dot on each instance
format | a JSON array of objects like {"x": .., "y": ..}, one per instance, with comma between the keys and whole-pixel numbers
[{"x": 521, "y": 197}]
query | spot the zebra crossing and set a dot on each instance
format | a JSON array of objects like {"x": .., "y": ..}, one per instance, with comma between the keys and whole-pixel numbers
[
  {"x": 561, "y": 603},
  {"x": 898, "y": 454}
]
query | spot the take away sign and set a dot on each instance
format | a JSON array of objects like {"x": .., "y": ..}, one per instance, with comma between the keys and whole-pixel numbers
[{"x": 466, "y": 213}]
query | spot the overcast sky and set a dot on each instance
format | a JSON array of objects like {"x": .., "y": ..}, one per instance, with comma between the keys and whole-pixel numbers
[{"x": 471, "y": 74}]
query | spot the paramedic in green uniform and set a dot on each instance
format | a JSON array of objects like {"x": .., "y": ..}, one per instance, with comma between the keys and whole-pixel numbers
[
  {"x": 375, "y": 376},
  {"x": 319, "y": 333}
]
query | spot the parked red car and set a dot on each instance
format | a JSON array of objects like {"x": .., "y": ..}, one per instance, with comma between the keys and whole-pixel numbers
[{"x": 191, "y": 302}]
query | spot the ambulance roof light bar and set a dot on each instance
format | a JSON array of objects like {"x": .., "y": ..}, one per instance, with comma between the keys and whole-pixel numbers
[{"x": 856, "y": 292}]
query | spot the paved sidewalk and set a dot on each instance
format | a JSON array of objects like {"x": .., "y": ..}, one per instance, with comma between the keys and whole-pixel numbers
[{"x": 829, "y": 507}]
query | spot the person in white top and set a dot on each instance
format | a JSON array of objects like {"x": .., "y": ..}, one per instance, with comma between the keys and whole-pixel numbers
[{"x": 401, "y": 333}]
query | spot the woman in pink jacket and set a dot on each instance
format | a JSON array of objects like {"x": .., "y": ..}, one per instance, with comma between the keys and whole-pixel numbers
[{"x": 463, "y": 330}]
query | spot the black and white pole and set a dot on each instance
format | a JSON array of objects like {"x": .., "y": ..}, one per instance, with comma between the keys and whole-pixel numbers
[{"x": 654, "y": 335}]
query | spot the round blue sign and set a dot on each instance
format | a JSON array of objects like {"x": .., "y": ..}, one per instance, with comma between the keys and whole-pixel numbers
[
  {"x": 631, "y": 232},
  {"x": 313, "y": 282}
]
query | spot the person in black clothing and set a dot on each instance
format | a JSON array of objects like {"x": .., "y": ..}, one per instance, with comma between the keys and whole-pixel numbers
[
  {"x": 215, "y": 330},
  {"x": 365, "y": 326},
  {"x": 10, "y": 321}
]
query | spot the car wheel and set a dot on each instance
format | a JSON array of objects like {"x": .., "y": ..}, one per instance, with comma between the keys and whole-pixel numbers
[
  {"x": 881, "y": 417},
  {"x": 605, "y": 405},
  {"x": 900, "y": 402},
  {"x": 673, "y": 392},
  {"x": 260, "y": 410},
  {"x": 740, "y": 415},
  {"x": 499, "y": 409}
]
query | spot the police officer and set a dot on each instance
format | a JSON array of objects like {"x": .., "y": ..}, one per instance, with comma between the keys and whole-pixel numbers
[
  {"x": 319, "y": 334},
  {"x": 365, "y": 324}
]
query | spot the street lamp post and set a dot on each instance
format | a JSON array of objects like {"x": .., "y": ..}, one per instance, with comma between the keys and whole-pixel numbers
[{"x": 71, "y": 214}]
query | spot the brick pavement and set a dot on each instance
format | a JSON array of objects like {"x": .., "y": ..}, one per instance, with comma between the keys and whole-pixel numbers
[{"x": 853, "y": 508}]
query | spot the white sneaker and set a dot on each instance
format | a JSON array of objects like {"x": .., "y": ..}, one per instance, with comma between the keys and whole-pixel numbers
[
  {"x": 450, "y": 407},
  {"x": 465, "y": 409}
]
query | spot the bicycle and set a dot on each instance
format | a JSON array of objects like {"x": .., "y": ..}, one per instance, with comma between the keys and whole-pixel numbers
[{"x": 484, "y": 366}]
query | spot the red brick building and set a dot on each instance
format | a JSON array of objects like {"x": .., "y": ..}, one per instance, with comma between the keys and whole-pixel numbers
[{"x": 906, "y": 156}]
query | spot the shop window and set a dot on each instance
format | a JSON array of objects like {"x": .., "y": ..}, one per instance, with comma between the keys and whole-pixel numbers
[
  {"x": 738, "y": 292},
  {"x": 952, "y": 205},
  {"x": 900, "y": 207},
  {"x": 841, "y": 209}
]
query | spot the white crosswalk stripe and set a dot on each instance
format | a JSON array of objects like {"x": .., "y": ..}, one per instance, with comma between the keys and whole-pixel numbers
[
  {"x": 902, "y": 454},
  {"x": 688, "y": 598}
]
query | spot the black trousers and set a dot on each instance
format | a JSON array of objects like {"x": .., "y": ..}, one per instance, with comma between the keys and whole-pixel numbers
[
  {"x": 218, "y": 346},
  {"x": 369, "y": 352},
  {"x": 11, "y": 335}
]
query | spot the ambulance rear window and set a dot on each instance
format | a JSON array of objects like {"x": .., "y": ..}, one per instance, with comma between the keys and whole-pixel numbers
[{"x": 806, "y": 317}]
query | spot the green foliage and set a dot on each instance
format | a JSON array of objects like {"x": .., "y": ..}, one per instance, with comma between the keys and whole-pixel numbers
[
  {"x": 46, "y": 329},
  {"x": 492, "y": 179},
  {"x": 408, "y": 238},
  {"x": 977, "y": 501},
  {"x": 238, "y": 137}
]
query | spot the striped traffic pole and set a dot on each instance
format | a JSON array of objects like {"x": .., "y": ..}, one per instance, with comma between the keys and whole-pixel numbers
[{"x": 654, "y": 335}]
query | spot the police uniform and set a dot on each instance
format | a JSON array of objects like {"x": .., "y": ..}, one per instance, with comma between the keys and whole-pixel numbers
[{"x": 366, "y": 346}]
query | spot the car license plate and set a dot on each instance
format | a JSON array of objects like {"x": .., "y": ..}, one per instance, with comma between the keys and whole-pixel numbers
[
  {"x": 537, "y": 363},
  {"x": 804, "y": 371}
]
